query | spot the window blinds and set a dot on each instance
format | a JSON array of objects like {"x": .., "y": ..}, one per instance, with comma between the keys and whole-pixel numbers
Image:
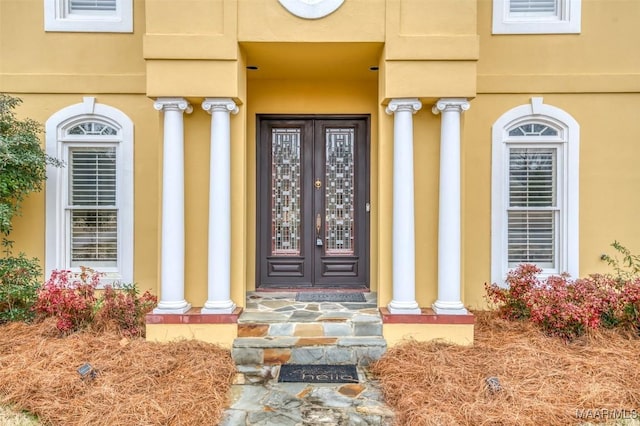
[
  {"x": 532, "y": 212},
  {"x": 79, "y": 6},
  {"x": 534, "y": 7},
  {"x": 94, "y": 218}
]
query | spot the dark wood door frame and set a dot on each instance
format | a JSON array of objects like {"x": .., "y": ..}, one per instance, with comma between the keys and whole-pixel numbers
[{"x": 312, "y": 269}]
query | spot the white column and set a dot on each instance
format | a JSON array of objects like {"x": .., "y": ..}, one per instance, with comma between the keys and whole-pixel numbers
[
  {"x": 404, "y": 268},
  {"x": 219, "y": 279},
  {"x": 449, "y": 262},
  {"x": 172, "y": 299}
]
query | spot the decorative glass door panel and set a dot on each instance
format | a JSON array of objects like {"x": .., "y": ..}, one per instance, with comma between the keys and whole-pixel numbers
[
  {"x": 285, "y": 192},
  {"x": 313, "y": 189},
  {"x": 339, "y": 191}
]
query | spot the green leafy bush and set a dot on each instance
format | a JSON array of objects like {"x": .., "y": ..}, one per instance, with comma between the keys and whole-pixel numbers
[
  {"x": 19, "y": 283},
  {"x": 626, "y": 269},
  {"x": 23, "y": 166},
  {"x": 23, "y": 162}
]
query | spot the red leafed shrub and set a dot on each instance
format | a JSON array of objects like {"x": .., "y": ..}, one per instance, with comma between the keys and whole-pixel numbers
[
  {"x": 123, "y": 307},
  {"x": 76, "y": 302},
  {"x": 69, "y": 297},
  {"x": 568, "y": 308},
  {"x": 564, "y": 307},
  {"x": 512, "y": 300}
]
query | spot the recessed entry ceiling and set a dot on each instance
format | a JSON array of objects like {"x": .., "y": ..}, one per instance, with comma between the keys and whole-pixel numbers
[{"x": 329, "y": 61}]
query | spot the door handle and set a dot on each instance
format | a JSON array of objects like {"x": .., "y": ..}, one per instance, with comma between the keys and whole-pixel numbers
[{"x": 318, "y": 228}]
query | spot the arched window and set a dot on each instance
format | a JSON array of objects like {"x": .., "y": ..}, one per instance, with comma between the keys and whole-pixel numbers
[
  {"x": 90, "y": 199},
  {"x": 534, "y": 204}
]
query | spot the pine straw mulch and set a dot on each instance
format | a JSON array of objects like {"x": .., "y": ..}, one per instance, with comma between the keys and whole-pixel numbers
[
  {"x": 544, "y": 380},
  {"x": 137, "y": 382}
]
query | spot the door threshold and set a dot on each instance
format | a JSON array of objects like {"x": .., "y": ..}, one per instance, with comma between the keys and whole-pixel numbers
[{"x": 314, "y": 290}]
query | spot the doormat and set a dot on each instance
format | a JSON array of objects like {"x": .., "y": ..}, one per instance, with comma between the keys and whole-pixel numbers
[
  {"x": 330, "y": 297},
  {"x": 320, "y": 373}
]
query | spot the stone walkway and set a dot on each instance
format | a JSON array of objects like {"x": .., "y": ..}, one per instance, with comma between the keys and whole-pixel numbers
[
  {"x": 297, "y": 404},
  {"x": 306, "y": 332}
]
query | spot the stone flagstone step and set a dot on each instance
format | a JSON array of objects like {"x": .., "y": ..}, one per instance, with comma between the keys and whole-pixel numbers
[
  {"x": 327, "y": 326},
  {"x": 276, "y": 329},
  {"x": 361, "y": 350}
]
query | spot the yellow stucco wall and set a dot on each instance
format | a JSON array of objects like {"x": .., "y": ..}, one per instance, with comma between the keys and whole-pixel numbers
[
  {"x": 602, "y": 58},
  {"x": 266, "y": 20},
  {"x": 423, "y": 48},
  {"x": 34, "y": 61},
  {"x": 219, "y": 334},
  {"x": 459, "y": 334}
]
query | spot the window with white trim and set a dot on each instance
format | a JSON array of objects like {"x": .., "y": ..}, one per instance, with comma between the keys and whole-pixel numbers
[
  {"x": 534, "y": 204},
  {"x": 110, "y": 16},
  {"x": 90, "y": 200},
  {"x": 536, "y": 16}
]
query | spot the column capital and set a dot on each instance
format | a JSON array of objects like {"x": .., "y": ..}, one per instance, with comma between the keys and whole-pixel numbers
[
  {"x": 450, "y": 104},
  {"x": 173, "y": 104},
  {"x": 403, "y": 104},
  {"x": 220, "y": 104}
]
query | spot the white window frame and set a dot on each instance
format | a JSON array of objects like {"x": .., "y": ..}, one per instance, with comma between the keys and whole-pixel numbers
[
  {"x": 58, "y": 19},
  {"x": 567, "y": 21},
  {"x": 58, "y": 144},
  {"x": 567, "y": 144}
]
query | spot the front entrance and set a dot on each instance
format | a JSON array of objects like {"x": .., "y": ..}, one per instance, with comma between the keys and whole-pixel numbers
[{"x": 313, "y": 202}]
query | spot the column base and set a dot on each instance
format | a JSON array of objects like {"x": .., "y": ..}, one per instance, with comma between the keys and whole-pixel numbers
[
  {"x": 449, "y": 308},
  {"x": 218, "y": 307},
  {"x": 172, "y": 307},
  {"x": 404, "y": 308}
]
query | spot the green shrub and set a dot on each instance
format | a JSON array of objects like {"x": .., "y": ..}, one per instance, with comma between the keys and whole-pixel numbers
[
  {"x": 19, "y": 283},
  {"x": 23, "y": 166},
  {"x": 626, "y": 269},
  {"x": 23, "y": 162}
]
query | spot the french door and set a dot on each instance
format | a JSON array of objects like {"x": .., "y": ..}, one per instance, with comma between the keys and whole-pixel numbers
[{"x": 313, "y": 202}]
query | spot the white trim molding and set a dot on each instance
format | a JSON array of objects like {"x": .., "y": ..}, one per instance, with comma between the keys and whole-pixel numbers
[
  {"x": 311, "y": 9},
  {"x": 60, "y": 16},
  {"x": 59, "y": 143},
  {"x": 563, "y": 17},
  {"x": 563, "y": 140}
]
